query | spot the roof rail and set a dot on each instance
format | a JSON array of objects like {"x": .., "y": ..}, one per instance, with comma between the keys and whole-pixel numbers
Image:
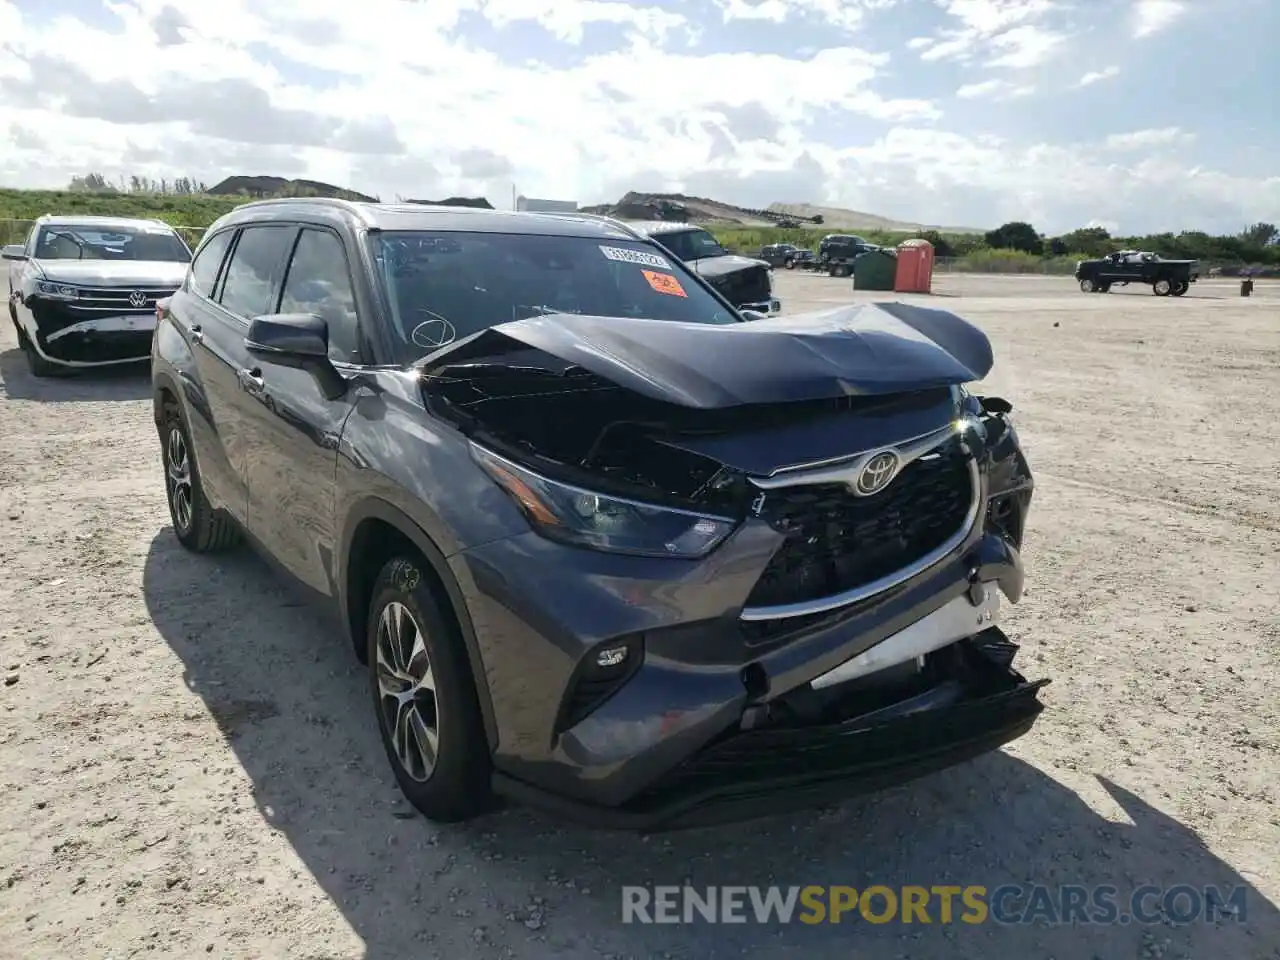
[
  {"x": 355, "y": 207},
  {"x": 599, "y": 218}
]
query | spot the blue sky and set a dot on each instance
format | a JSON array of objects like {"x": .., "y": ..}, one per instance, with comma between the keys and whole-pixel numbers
[{"x": 1141, "y": 115}]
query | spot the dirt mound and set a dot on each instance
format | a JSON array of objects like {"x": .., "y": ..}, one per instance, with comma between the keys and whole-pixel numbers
[
  {"x": 263, "y": 186},
  {"x": 480, "y": 203},
  {"x": 839, "y": 218}
]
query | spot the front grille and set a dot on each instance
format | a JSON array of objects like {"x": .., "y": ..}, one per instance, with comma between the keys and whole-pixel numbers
[
  {"x": 837, "y": 542},
  {"x": 745, "y": 286},
  {"x": 116, "y": 299}
]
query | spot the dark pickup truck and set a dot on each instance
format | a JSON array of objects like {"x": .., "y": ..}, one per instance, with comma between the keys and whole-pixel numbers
[
  {"x": 1165, "y": 277},
  {"x": 787, "y": 255},
  {"x": 837, "y": 251},
  {"x": 743, "y": 281}
]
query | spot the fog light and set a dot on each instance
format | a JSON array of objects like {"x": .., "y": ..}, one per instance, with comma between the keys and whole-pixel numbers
[{"x": 611, "y": 657}]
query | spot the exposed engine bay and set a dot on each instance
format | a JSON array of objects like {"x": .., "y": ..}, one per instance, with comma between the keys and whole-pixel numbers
[{"x": 560, "y": 418}]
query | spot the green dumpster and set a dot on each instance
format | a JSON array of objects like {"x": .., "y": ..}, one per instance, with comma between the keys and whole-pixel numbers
[{"x": 875, "y": 270}]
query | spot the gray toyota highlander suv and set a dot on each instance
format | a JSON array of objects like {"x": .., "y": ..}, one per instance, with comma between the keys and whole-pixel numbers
[{"x": 607, "y": 546}]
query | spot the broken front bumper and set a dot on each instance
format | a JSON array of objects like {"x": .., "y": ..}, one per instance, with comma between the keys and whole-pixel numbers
[
  {"x": 65, "y": 337},
  {"x": 766, "y": 772}
]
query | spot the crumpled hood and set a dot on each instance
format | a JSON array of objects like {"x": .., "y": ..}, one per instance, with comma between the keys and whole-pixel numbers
[
  {"x": 712, "y": 267},
  {"x": 857, "y": 350},
  {"x": 115, "y": 273}
]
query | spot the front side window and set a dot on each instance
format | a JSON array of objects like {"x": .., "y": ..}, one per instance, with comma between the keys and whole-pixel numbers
[
  {"x": 253, "y": 278},
  {"x": 444, "y": 286},
  {"x": 319, "y": 282},
  {"x": 70, "y": 241}
]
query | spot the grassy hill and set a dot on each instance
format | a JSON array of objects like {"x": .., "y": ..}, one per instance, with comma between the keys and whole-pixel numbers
[{"x": 193, "y": 210}]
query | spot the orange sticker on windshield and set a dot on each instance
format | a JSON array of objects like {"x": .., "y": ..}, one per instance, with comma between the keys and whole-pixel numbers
[{"x": 664, "y": 283}]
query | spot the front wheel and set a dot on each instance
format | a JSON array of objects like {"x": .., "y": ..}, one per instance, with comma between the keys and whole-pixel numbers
[
  {"x": 38, "y": 365},
  {"x": 1180, "y": 288},
  {"x": 790, "y": 264},
  {"x": 1087, "y": 286},
  {"x": 1162, "y": 288},
  {"x": 425, "y": 698},
  {"x": 198, "y": 527}
]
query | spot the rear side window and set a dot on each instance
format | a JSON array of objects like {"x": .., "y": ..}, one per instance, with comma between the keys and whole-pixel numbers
[
  {"x": 252, "y": 286},
  {"x": 318, "y": 282},
  {"x": 204, "y": 269}
]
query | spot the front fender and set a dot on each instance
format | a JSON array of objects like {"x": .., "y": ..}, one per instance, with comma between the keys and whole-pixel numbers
[{"x": 372, "y": 508}]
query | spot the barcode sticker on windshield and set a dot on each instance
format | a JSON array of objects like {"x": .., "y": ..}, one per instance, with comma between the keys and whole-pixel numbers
[{"x": 623, "y": 255}]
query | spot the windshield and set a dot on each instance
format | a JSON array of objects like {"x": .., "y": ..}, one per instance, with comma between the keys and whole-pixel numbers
[
  {"x": 76, "y": 242},
  {"x": 691, "y": 244},
  {"x": 444, "y": 286}
]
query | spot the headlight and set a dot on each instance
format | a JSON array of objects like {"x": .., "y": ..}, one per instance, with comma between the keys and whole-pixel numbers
[
  {"x": 59, "y": 291},
  {"x": 589, "y": 519}
]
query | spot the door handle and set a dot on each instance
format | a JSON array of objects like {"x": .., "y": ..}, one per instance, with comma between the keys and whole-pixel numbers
[
  {"x": 197, "y": 334},
  {"x": 251, "y": 381}
]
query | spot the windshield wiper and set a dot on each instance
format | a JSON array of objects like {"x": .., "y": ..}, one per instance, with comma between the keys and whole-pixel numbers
[{"x": 490, "y": 367}]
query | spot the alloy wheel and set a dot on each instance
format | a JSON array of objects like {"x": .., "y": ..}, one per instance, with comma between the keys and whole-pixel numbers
[
  {"x": 177, "y": 464},
  {"x": 407, "y": 691}
]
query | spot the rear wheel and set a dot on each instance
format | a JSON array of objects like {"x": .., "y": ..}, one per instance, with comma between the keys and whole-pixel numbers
[
  {"x": 1162, "y": 288},
  {"x": 789, "y": 264},
  {"x": 425, "y": 698},
  {"x": 1087, "y": 286},
  {"x": 1104, "y": 287}
]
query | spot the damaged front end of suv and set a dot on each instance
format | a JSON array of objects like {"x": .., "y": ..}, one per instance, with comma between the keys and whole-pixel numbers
[{"x": 765, "y": 562}]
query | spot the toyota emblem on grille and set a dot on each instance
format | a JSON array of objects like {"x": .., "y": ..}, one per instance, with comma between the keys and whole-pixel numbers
[
  {"x": 137, "y": 299},
  {"x": 876, "y": 473}
]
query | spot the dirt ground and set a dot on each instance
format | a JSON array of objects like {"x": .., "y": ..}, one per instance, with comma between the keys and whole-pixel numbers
[{"x": 189, "y": 765}]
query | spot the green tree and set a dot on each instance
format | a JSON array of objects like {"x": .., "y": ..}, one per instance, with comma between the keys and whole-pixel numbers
[
  {"x": 1015, "y": 235},
  {"x": 1095, "y": 241},
  {"x": 1260, "y": 234}
]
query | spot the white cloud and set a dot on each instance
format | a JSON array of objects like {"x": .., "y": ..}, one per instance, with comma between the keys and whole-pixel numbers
[
  {"x": 387, "y": 98},
  {"x": 1152, "y": 16},
  {"x": 842, "y": 14},
  {"x": 1097, "y": 76},
  {"x": 995, "y": 87},
  {"x": 1005, "y": 29},
  {"x": 1149, "y": 139},
  {"x": 1025, "y": 46}
]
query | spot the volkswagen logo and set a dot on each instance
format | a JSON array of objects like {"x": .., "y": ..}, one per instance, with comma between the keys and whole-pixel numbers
[
  {"x": 137, "y": 299},
  {"x": 876, "y": 473}
]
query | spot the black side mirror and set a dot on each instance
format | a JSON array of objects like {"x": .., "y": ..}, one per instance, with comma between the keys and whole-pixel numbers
[
  {"x": 298, "y": 340},
  {"x": 996, "y": 405}
]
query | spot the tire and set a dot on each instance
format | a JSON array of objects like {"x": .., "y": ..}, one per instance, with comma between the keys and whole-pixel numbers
[
  {"x": 1087, "y": 286},
  {"x": 1180, "y": 288},
  {"x": 1161, "y": 288},
  {"x": 452, "y": 784},
  {"x": 1104, "y": 287},
  {"x": 789, "y": 264},
  {"x": 198, "y": 527},
  {"x": 38, "y": 365}
]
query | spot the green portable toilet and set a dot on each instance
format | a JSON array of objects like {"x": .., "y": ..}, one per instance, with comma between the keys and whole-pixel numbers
[{"x": 875, "y": 270}]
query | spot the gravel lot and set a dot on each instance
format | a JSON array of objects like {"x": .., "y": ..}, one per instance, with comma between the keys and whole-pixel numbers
[{"x": 189, "y": 766}]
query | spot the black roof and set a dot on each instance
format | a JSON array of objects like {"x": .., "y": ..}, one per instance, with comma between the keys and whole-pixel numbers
[{"x": 412, "y": 216}]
